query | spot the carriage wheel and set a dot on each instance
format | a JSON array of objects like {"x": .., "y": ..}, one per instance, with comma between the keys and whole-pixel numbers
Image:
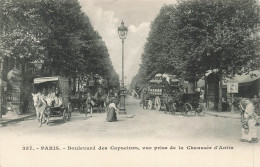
[
  {"x": 187, "y": 110},
  {"x": 150, "y": 104},
  {"x": 157, "y": 103}
]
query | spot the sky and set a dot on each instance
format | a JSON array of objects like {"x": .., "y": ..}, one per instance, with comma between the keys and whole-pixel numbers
[{"x": 106, "y": 17}]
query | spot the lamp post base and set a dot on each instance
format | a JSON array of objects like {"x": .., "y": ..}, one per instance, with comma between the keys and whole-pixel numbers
[
  {"x": 122, "y": 111},
  {"x": 122, "y": 102}
]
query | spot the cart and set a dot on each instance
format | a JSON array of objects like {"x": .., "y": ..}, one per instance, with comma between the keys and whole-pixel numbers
[
  {"x": 168, "y": 94},
  {"x": 161, "y": 91},
  {"x": 61, "y": 86},
  {"x": 97, "y": 87}
]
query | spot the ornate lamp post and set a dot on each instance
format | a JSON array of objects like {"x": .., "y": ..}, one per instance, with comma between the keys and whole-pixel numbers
[{"x": 122, "y": 32}]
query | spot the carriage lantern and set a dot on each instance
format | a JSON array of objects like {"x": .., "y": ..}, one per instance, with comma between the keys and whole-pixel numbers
[{"x": 122, "y": 32}]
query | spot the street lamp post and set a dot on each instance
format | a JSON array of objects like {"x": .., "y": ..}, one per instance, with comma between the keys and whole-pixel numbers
[
  {"x": 122, "y": 32},
  {"x": 125, "y": 81}
]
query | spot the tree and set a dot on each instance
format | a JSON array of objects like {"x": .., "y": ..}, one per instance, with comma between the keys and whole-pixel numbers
[
  {"x": 158, "y": 49},
  {"x": 195, "y": 36},
  {"x": 21, "y": 29},
  {"x": 56, "y": 31},
  {"x": 220, "y": 36}
]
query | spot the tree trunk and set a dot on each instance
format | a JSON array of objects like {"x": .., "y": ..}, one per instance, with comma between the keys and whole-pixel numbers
[
  {"x": 216, "y": 92},
  {"x": 78, "y": 83},
  {"x": 206, "y": 96},
  {"x": 191, "y": 87},
  {"x": 1, "y": 72},
  {"x": 74, "y": 85},
  {"x": 220, "y": 94}
]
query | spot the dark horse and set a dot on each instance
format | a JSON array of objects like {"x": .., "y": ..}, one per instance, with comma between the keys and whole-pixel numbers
[{"x": 99, "y": 99}]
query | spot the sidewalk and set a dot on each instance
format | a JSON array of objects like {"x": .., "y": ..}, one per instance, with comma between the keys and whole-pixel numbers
[
  {"x": 226, "y": 114},
  {"x": 13, "y": 117}
]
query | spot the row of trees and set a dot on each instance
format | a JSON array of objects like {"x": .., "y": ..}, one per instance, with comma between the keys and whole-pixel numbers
[
  {"x": 194, "y": 36},
  {"x": 57, "y": 32}
]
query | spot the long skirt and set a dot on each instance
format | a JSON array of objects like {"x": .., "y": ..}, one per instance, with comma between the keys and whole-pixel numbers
[
  {"x": 111, "y": 115},
  {"x": 251, "y": 132}
]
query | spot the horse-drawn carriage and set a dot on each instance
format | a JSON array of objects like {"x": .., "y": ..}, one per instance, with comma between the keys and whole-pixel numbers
[
  {"x": 165, "y": 92},
  {"x": 94, "y": 95},
  {"x": 51, "y": 98}
]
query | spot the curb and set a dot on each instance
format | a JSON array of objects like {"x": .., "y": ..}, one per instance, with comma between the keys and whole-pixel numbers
[
  {"x": 216, "y": 115},
  {"x": 4, "y": 123}
]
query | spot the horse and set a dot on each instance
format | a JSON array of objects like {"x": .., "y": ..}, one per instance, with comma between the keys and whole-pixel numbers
[
  {"x": 42, "y": 108},
  {"x": 100, "y": 99}
]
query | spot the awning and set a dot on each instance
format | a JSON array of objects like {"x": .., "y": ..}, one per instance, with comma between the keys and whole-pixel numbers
[
  {"x": 244, "y": 78},
  {"x": 45, "y": 79}
]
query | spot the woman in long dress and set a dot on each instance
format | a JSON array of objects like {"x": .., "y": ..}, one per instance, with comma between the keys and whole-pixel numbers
[
  {"x": 112, "y": 110},
  {"x": 249, "y": 131}
]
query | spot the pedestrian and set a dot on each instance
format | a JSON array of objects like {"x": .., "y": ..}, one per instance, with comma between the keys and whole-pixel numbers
[
  {"x": 249, "y": 131},
  {"x": 89, "y": 104},
  {"x": 112, "y": 111}
]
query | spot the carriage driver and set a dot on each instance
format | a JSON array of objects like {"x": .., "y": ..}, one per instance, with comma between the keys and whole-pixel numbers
[
  {"x": 55, "y": 97},
  {"x": 44, "y": 92},
  {"x": 58, "y": 100},
  {"x": 52, "y": 95},
  {"x": 52, "y": 92}
]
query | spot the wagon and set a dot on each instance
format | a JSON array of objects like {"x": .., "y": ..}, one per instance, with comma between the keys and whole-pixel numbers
[
  {"x": 168, "y": 94},
  {"x": 93, "y": 101},
  {"x": 61, "y": 85},
  {"x": 190, "y": 105},
  {"x": 159, "y": 92}
]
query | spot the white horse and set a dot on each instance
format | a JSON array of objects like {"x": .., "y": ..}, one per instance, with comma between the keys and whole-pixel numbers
[{"x": 42, "y": 108}]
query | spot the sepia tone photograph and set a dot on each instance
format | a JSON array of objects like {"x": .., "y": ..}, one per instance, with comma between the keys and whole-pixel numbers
[{"x": 133, "y": 83}]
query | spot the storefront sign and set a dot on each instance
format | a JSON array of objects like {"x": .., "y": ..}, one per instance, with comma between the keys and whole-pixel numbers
[{"x": 232, "y": 87}]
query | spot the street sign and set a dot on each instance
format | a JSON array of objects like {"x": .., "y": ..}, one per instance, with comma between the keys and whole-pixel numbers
[{"x": 232, "y": 87}]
